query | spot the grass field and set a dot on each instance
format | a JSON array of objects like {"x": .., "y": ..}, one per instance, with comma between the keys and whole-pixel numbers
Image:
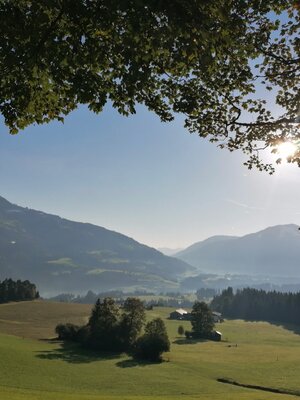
[
  {"x": 265, "y": 355},
  {"x": 37, "y": 319}
]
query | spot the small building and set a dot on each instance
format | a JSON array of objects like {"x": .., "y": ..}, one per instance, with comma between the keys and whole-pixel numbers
[
  {"x": 180, "y": 314},
  {"x": 217, "y": 317},
  {"x": 216, "y": 336}
]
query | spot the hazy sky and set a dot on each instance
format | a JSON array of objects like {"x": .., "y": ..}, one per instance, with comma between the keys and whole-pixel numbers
[{"x": 152, "y": 181}]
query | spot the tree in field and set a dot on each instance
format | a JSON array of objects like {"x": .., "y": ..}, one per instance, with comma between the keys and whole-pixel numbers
[
  {"x": 154, "y": 342},
  {"x": 202, "y": 320},
  {"x": 180, "y": 330},
  {"x": 103, "y": 325},
  {"x": 132, "y": 321},
  {"x": 203, "y": 59}
]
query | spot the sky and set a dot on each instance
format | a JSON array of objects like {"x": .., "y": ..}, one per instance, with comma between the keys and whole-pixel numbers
[{"x": 149, "y": 180}]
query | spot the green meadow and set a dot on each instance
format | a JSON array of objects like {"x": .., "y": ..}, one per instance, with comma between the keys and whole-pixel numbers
[{"x": 33, "y": 367}]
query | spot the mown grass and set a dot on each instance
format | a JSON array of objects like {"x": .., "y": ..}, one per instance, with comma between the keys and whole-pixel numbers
[
  {"x": 37, "y": 319},
  {"x": 265, "y": 355}
]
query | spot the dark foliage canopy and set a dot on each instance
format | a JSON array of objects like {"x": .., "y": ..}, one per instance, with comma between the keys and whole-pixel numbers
[
  {"x": 253, "y": 304},
  {"x": 132, "y": 321},
  {"x": 67, "y": 331},
  {"x": 202, "y": 320},
  {"x": 11, "y": 290},
  {"x": 103, "y": 325},
  {"x": 200, "y": 58},
  {"x": 154, "y": 342}
]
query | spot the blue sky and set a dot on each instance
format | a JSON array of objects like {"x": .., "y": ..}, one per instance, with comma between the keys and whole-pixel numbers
[{"x": 149, "y": 180}]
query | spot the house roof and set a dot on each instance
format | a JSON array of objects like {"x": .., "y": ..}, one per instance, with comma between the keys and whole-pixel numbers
[{"x": 181, "y": 311}]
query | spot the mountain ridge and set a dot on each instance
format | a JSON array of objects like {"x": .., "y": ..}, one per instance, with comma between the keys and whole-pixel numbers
[
  {"x": 69, "y": 255},
  {"x": 269, "y": 251}
]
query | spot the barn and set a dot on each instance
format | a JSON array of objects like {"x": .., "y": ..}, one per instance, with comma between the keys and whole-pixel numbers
[
  {"x": 179, "y": 314},
  {"x": 216, "y": 336},
  {"x": 217, "y": 317}
]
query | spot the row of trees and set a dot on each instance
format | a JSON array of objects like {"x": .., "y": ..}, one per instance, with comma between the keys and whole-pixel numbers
[
  {"x": 256, "y": 304},
  {"x": 17, "y": 291},
  {"x": 115, "y": 329}
]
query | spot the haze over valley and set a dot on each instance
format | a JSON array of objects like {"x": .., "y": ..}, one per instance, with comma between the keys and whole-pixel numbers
[
  {"x": 274, "y": 251},
  {"x": 61, "y": 255}
]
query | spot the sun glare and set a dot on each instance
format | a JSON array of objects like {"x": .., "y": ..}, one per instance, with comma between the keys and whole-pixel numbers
[{"x": 286, "y": 149}]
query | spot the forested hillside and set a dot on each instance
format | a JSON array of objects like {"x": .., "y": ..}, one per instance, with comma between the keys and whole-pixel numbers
[{"x": 62, "y": 255}]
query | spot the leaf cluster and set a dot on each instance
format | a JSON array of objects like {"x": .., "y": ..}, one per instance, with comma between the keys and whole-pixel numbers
[{"x": 199, "y": 58}]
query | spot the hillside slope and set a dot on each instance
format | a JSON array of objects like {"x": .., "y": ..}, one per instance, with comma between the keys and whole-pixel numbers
[
  {"x": 274, "y": 251},
  {"x": 59, "y": 255}
]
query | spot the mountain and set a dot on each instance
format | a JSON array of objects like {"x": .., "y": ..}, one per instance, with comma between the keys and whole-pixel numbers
[
  {"x": 274, "y": 251},
  {"x": 62, "y": 255}
]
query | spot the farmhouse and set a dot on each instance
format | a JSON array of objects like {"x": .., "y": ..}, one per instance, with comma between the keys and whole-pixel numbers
[
  {"x": 216, "y": 336},
  {"x": 217, "y": 316},
  {"x": 180, "y": 314}
]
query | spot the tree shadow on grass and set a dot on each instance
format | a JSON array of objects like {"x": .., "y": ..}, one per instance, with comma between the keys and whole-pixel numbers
[
  {"x": 136, "y": 363},
  {"x": 73, "y": 353},
  {"x": 189, "y": 341},
  {"x": 51, "y": 340}
]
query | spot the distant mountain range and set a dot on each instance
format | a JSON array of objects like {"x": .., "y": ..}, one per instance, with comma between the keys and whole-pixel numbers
[
  {"x": 60, "y": 255},
  {"x": 274, "y": 251}
]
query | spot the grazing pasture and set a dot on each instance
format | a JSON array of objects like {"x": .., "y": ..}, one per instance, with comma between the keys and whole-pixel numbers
[{"x": 250, "y": 353}]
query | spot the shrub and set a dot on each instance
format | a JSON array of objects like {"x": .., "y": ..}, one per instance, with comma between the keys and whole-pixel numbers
[
  {"x": 180, "y": 330},
  {"x": 154, "y": 342},
  {"x": 67, "y": 332}
]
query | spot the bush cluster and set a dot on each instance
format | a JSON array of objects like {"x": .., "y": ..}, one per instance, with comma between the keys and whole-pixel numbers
[{"x": 114, "y": 329}]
